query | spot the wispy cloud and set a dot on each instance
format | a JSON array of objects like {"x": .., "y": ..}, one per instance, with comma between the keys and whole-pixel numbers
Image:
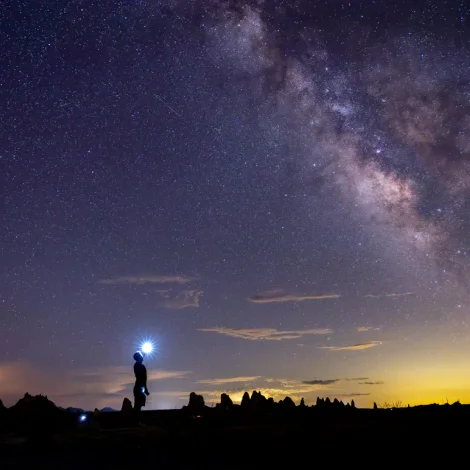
[
  {"x": 399, "y": 294},
  {"x": 352, "y": 347},
  {"x": 356, "y": 379},
  {"x": 367, "y": 328},
  {"x": 371, "y": 383},
  {"x": 184, "y": 299},
  {"x": 279, "y": 296},
  {"x": 149, "y": 279},
  {"x": 351, "y": 395},
  {"x": 229, "y": 380},
  {"x": 320, "y": 382},
  {"x": 269, "y": 334}
]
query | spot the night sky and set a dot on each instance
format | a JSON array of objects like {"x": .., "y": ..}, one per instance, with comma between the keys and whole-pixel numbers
[{"x": 276, "y": 193}]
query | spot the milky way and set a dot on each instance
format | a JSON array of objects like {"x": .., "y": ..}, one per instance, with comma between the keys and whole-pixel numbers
[{"x": 388, "y": 129}]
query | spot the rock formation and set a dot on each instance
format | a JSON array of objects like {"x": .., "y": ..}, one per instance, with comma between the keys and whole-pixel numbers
[
  {"x": 258, "y": 400},
  {"x": 287, "y": 403},
  {"x": 225, "y": 402},
  {"x": 196, "y": 403},
  {"x": 195, "y": 400},
  {"x": 39, "y": 404},
  {"x": 245, "y": 400},
  {"x": 126, "y": 405}
]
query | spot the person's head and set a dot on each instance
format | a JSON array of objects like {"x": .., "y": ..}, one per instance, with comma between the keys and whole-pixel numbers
[{"x": 138, "y": 357}]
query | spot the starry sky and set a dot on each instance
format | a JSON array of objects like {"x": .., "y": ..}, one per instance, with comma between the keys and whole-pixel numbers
[{"x": 276, "y": 193}]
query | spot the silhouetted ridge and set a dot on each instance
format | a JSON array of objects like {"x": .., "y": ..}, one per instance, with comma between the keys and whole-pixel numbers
[
  {"x": 38, "y": 404},
  {"x": 287, "y": 403}
]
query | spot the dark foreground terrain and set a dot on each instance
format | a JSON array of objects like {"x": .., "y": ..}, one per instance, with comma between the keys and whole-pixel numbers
[{"x": 223, "y": 439}]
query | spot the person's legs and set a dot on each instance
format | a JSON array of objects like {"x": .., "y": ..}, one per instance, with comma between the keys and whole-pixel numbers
[{"x": 137, "y": 408}]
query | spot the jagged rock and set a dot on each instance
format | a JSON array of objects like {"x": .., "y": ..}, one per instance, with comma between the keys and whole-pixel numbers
[
  {"x": 225, "y": 401},
  {"x": 353, "y": 405},
  {"x": 195, "y": 400},
  {"x": 258, "y": 400},
  {"x": 245, "y": 400},
  {"x": 327, "y": 401},
  {"x": 341, "y": 404},
  {"x": 270, "y": 401},
  {"x": 196, "y": 404},
  {"x": 287, "y": 403},
  {"x": 320, "y": 401},
  {"x": 126, "y": 405},
  {"x": 38, "y": 404},
  {"x": 375, "y": 406},
  {"x": 336, "y": 403},
  {"x": 302, "y": 403}
]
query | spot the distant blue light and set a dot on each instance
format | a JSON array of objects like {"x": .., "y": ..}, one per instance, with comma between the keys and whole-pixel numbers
[{"x": 82, "y": 418}]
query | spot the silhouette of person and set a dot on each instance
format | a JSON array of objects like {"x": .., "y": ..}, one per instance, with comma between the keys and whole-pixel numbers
[{"x": 140, "y": 388}]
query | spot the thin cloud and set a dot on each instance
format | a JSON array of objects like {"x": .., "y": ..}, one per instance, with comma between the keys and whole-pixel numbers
[
  {"x": 320, "y": 382},
  {"x": 151, "y": 279},
  {"x": 356, "y": 379},
  {"x": 367, "y": 328},
  {"x": 184, "y": 299},
  {"x": 399, "y": 294},
  {"x": 276, "y": 296},
  {"x": 352, "y": 347},
  {"x": 269, "y": 334},
  {"x": 371, "y": 383},
  {"x": 351, "y": 395},
  {"x": 228, "y": 380}
]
